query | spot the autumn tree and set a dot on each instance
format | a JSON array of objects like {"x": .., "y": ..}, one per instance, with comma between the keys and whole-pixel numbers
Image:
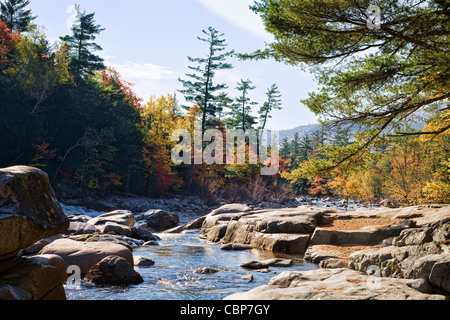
[
  {"x": 81, "y": 44},
  {"x": 437, "y": 189},
  {"x": 15, "y": 14},
  {"x": 159, "y": 118},
  {"x": 200, "y": 88},
  {"x": 6, "y": 42},
  {"x": 346, "y": 187},
  {"x": 40, "y": 67}
]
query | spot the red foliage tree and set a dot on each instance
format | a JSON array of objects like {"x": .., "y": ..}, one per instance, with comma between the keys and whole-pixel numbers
[{"x": 6, "y": 41}]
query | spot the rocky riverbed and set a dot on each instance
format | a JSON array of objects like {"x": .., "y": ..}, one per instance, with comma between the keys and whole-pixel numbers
[
  {"x": 394, "y": 254},
  {"x": 137, "y": 248}
]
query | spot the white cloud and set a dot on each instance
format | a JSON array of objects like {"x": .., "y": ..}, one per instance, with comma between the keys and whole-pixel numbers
[
  {"x": 238, "y": 13},
  {"x": 148, "y": 71},
  {"x": 148, "y": 79}
]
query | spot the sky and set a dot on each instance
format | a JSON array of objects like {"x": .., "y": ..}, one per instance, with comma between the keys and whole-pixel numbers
[{"x": 148, "y": 42}]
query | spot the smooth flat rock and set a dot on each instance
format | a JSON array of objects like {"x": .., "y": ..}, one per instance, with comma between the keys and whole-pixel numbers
[
  {"x": 277, "y": 230},
  {"x": 283, "y": 263},
  {"x": 230, "y": 208},
  {"x": 368, "y": 236},
  {"x": 86, "y": 254},
  {"x": 333, "y": 284},
  {"x": 122, "y": 217}
]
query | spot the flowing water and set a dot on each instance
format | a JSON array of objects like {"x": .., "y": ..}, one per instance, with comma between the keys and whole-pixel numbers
[{"x": 173, "y": 277}]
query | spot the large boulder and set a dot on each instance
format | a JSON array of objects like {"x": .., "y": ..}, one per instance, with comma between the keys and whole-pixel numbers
[
  {"x": 35, "y": 278},
  {"x": 77, "y": 228},
  {"x": 230, "y": 208},
  {"x": 280, "y": 230},
  {"x": 128, "y": 242},
  {"x": 113, "y": 270},
  {"x": 433, "y": 268},
  {"x": 192, "y": 225},
  {"x": 143, "y": 234},
  {"x": 159, "y": 220},
  {"x": 29, "y": 210},
  {"x": 122, "y": 217},
  {"x": 86, "y": 254},
  {"x": 418, "y": 253},
  {"x": 115, "y": 228}
]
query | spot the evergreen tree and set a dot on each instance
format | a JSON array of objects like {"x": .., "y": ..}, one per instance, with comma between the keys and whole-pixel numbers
[
  {"x": 295, "y": 150},
  {"x": 223, "y": 103},
  {"x": 306, "y": 145},
  {"x": 342, "y": 136},
  {"x": 200, "y": 90},
  {"x": 15, "y": 15},
  {"x": 285, "y": 150},
  {"x": 81, "y": 44},
  {"x": 241, "y": 110},
  {"x": 318, "y": 138},
  {"x": 273, "y": 103}
]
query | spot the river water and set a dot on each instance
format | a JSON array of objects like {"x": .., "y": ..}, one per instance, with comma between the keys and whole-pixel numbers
[{"x": 173, "y": 278}]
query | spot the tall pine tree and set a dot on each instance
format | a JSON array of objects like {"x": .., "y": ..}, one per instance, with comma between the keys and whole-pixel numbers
[
  {"x": 81, "y": 44},
  {"x": 201, "y": 89},
  {"x": 241, "y": 110},
  {"x": 273, "y": 103},
  {"x": 14, "y": 14}
]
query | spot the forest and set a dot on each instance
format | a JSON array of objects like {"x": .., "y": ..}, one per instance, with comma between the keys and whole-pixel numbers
[{"x": 383, "y": 104}]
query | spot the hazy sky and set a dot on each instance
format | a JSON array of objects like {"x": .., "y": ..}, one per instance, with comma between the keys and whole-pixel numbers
[{"x": 148, "y": 42}]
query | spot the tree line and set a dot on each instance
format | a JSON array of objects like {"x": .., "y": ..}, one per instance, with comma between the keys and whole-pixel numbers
[
  {"x": 66, "y": 112},
  {"x": 63, "y": 110},
  {"x": 376, "y": 81}
]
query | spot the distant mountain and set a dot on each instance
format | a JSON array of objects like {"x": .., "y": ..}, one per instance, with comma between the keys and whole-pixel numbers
[
  {"x": 304, "y": 130},
  {"x": 301, "y": 130}
]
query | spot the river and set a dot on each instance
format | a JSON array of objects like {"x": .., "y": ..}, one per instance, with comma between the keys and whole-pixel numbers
[{"x": 173, "y": 278}]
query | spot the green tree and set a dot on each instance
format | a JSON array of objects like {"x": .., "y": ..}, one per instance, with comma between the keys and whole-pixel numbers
[
  {"x": 223, "y": 104},
  {"x": 273, "y": 103},
  {"x": 375, "y": 78},
  {"x": 295, "y": 149},
  {"x": 306, "y": 147},
  {"x": 241, "y": 110},
  {"x": 15, "y": 15},
  {"x": 81, "y": 44},
  {"x": 342, "y": 136},
  {"x": 201, "y": 89}
]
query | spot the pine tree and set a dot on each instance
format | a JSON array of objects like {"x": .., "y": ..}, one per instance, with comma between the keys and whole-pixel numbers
[
  {"x": 200, "y": 90},
  {"x": 81, "y": 44},
  {"x": 242, "y": 108},
  {"x": 273, "y": 103},
  {"x": 295, "y": 149},
  {"x": 372, "y": 78},
  {"x": 15, "y": 16},
  {"x": 223, "y": 102},
  {"x": 342, "y": 136}
]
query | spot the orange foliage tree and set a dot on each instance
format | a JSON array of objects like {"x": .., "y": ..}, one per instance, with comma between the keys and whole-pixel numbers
[{"x": 6, "y": 41}]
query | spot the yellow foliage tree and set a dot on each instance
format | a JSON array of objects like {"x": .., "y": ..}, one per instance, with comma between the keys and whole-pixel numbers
[{"x": 160, "y": 117}]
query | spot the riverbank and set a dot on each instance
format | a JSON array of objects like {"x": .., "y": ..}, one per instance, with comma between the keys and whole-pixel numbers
[
  {"x": 155, "y": 253},
  {"x": 388, "y": 254}
]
